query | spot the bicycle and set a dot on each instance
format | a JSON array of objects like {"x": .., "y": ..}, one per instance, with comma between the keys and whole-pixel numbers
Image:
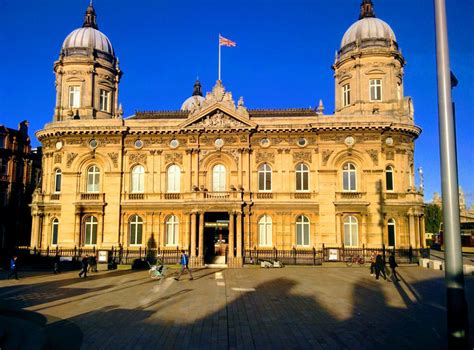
[
  {"x": 157, "y": 271},
  {"x": 355, "y": 259}
]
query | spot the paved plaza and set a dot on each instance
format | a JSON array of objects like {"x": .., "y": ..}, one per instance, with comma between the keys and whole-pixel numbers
[{"x": 249, "y": 308}]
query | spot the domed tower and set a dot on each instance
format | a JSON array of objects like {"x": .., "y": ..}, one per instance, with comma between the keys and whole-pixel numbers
[
  {"x": 195, "y": 100},
  {"x": 369, "y": 68},
  {"x": 87, "y": 74}
]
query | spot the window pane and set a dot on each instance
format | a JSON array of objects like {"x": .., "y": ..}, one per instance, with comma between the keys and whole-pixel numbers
[
  {"x": 306, "y": 234},
  {"x": 389, "y": 180},
  {"x": 299, "y": 185},
  {"x": 345, "y": 181},
  {"x": 57, "y": 185},
  {"x": 353, "y": 181},
  {"x": 268, "y": 182},
  {"x": 55, "y": 229},
  {"x": 305, "y": 182},
  {"x": 299, "y": 234},
  {"x": 261, "y": 181}
]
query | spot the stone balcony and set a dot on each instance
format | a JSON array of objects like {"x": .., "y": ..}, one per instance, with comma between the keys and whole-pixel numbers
[
  {"x": 341, "y": 196},
  {"x": 92, "y": 197}
]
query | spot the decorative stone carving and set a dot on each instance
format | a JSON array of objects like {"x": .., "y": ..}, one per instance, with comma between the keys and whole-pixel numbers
[
  {"x": 374, "y": 155},
  {"x": 234, "y": 153},
  {"x": 174, "y": 157},
  {"x": 220, "y": 95},
  {"x": 203, "y": 155},
  {"x": 265, "y": 157},
  {"x": 58, "y": 158},
  {"x": 70, "y": 159},
  {"x": 114, "y": 157},
  {"x": 219, "y": 120},
  {"x": 302, "y": 157},
  {"x": 137, "y": 158},
  {"x": 326, "y": 154},
  {"x": 389, "y": 155}
]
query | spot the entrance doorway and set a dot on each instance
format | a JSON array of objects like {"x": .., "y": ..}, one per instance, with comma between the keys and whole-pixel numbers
[{"x": 216, "y": 237}]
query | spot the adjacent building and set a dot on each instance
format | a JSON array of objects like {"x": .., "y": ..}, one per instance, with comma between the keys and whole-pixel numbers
[{"x": 217, "y": 178}]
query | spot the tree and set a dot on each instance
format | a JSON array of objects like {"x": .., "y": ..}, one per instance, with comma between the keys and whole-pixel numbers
[{"x": 433, "y": 218}]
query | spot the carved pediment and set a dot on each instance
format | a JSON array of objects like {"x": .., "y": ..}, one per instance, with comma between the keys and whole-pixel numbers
[{"x": 218, "y": 110}]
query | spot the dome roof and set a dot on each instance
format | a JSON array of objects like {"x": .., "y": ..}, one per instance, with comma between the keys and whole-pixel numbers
[
  {"x": 368, "y": 28},
  {"x": 88, "y": 37},
  {"x": 192, "y": 102}
]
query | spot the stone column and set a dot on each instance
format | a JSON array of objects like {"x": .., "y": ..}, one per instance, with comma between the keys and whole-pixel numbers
[
  {"x": 239, "y": 235},
  {"x": 193, "y": 237},
  {"x": 417, "y": 230},
  {"x": 77, "y": 229},
  {"x": 363, "y": 228},
  {"x": 40, "y": 230},
  {"x": 189, "y": 152},
  {"x": 411, "y": 227},
  {"x": 339, "y": 238},
  {"x": 200, "y": 259},
  {"x": 422, "y": 231},
  {"x": 230, "y": 247}
]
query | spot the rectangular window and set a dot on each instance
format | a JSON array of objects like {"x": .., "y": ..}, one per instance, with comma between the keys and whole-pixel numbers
[
  {"x": 74, "y": 96},
  {"x": 3, "y": 166},
  {"x": 54, "y": 233},
  {"x": 2, "y": 141},
  {"x": 375, "y": 89},
  {"x": 104, "y": 101},
  {"x": 346, "y": 95}
]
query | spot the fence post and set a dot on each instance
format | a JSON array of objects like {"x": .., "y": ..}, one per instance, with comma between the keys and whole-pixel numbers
[
  {"x": 294, "y": 255},
  {"x": 256, "y": 253},
  {"x": 314, "y": 255},
  {"x": 47, "y": 251}
]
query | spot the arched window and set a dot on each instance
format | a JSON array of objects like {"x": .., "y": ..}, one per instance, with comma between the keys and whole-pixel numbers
[
  {"x": 351, "y": 231},
  {"x": 138, "y": 179},
  {"x": 90, "y": 231},
  {"x": 218, "y": 178},
  {"x": 265, "y": 231},
  {"x": 264, "y": 178},
  {"x": 57, "y": 180},
  {"x": 346, "y": 95},
  {"x": 302, "y": 230},
  {"x": 172, "y": 226},
  {"x": 174, "y": 178},
  {"x": 389, "y": 178},
  {"x": 391, "y": 228},
  {"x": 136, "y": 229},
  {"x": 93, "y": 178},
  {"x": 54, "y": 231},
  {"x": 302, "y": 177},
  {"x": 349, "y": 177}
]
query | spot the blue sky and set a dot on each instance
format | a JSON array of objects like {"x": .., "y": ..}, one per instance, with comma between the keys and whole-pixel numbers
[{"x": 284, "y": 52}]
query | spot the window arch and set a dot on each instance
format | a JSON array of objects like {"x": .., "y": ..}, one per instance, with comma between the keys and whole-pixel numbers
[
  {"x": 93, "y": 179},
  {"x": 136, "y": 230},
  {"x": 54, "y": 231},
  {"x": 218, "y": 178},
  {"x": 389, "y": 178},
  {"x": 265, "y": 231},
  {"x": 138, "y": 179},
  {"x": 302, "y": 230},
  {"x": 302, "y": 177},
  {"x": 90, "y": 230},
  {"x": 391, "y": 228},
  {"x": 349, "y": 177},
  {"x": 351, "y": 231},
  {"x": 57, "y": 180},
  {"x": 172, "y": 229},
  {"x": 174, "y": 178},
  {"x": 265, "y": 177}
]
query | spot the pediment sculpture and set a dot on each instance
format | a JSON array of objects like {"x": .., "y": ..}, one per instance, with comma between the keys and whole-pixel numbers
[{"x": 218, "y": 120}]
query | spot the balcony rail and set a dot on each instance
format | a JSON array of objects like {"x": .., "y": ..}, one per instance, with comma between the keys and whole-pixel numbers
[
  {"x": 173, "y": 196},
  {"x": 92, "y": 196},
  {"x": 264, "y": 195},
  {"x": 55, "y": 197},
  {"x": 349, "y": 195},
  {"x": 136, "y": 196}
]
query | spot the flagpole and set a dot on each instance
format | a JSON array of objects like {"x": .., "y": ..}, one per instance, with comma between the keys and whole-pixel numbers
[{"x": 219, "y": 67}]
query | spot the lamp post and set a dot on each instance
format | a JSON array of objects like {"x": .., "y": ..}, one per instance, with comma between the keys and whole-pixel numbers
[{"x": 457, "y": 315}]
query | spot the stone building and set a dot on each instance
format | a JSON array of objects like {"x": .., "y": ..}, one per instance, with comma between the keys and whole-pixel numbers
[
  {"x": 218, "y": 178},
  {"x": 19, "y": 173}
]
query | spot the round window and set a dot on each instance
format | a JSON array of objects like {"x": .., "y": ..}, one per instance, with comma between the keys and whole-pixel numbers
[
  {"x": 138, "y": 144},
  {"x": 93, "y": 143},
  {"x": 265, "y": 142},
  {"x": 219, "y": 143},
  {"x": 349, "y": 141},
  {"x": 59, "y": 145},
  {"x": 302, "y": 142},
  {"x": 389, "y": 141},
  {"x": 174, "y": 143}
]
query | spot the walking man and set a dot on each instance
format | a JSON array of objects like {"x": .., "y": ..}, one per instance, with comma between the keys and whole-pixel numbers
[
  {"x": 13, "y": 268},
  {"x": 85, "y": 263},
  {"x": 380, "y": 267},
  {"x": 184, "y": 261},
  {"x": 393, "y": 265},
  {"x": 56, "y": 262}
]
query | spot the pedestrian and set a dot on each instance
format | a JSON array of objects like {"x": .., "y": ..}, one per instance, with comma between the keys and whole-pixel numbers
[
  {"x": 393, "y": 265},
  {"x": 379, "y": 267},
  {"x": 90, "y": 262},
  {"x": 56, "y": 261},
  {"x": 410, "y": 254},
  {"x": 184, "y": 261},
  {"x": 94, "y": 263},
  {"x": 84, "y": 264},
  {"x": 13, "y": 267},
  {"x": 372, "y": 264}
]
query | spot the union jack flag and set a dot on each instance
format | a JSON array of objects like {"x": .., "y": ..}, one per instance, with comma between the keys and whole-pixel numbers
[{"x": 226, "y": 42}]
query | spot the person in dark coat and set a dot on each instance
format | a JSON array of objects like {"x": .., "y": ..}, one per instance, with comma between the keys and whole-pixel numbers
[
  {"x": 13, "y": 267},
  {"x": 393, "y": 265},
  {"x": 380, "y": 267},
  {"x": 410, "y": 254},
  {"x": 90, "y": 262},
  {"x": 85, "y": 264},
  {"x": 56, "y": 262}
]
